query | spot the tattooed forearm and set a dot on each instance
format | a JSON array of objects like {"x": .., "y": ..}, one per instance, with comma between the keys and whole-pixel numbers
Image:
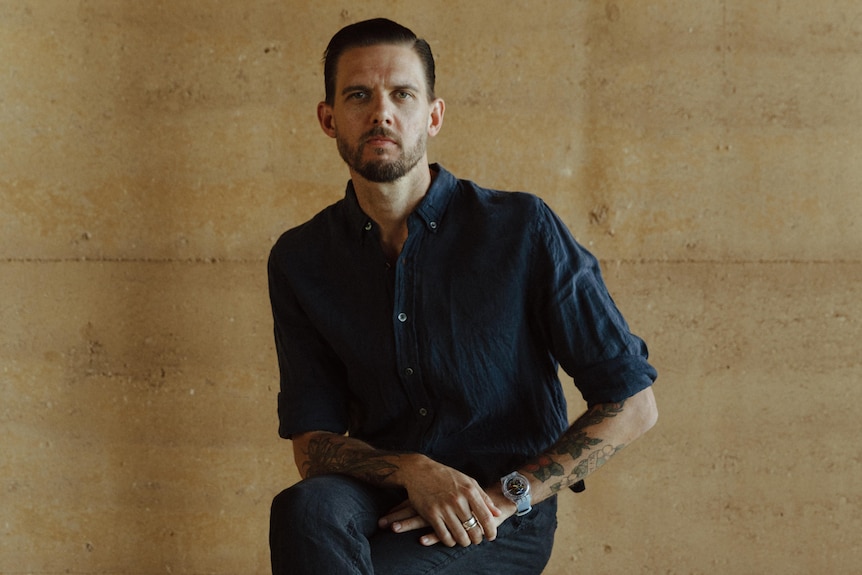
[
  {"x": 594, "y": 461},
  {"x": 585, "y": 467},
  {"x": 575, "y": 443},
  {"x": 600, "y": 413},
  {"x": 331, "y": 455}
]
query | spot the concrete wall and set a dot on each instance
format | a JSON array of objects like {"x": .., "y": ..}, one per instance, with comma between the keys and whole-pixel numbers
[{"x": 150, "y": 152}]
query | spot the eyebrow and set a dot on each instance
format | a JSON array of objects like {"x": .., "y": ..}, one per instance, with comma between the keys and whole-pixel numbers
[
  {"x": 362, "y": 88},
  {"x": 354, "y": 88}
]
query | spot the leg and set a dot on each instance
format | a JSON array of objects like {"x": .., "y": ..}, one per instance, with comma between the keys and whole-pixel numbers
[
  {"x": 321, "y": 526},
  {"x": 523, "y": 547}
]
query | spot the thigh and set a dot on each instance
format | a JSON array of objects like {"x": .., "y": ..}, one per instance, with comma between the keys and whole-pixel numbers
[
  {"x": 333, "y": 500},
  {"x": 522, "y": 547},
  {"x": 321, "y": 526}
]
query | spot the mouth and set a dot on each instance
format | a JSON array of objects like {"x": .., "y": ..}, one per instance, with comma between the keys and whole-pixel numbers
[
  {"x": 379, "y": 142},
  {"x": 380, "y": 138}
]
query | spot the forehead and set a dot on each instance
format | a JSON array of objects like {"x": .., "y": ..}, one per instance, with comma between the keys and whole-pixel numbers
[{"x": 382, "y": 63}]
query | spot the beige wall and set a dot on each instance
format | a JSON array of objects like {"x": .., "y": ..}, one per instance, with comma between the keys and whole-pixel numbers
[{"x": 150, "y": 152}]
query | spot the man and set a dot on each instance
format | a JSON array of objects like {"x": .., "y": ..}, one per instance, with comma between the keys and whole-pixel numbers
[{"x": 425, "y": 318}]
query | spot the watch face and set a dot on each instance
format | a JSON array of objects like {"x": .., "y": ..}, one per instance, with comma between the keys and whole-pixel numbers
[{"x": 517, "y": 486}]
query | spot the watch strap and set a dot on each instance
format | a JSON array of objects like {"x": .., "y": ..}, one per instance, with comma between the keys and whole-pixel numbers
[{"x": 524, "y": 505}]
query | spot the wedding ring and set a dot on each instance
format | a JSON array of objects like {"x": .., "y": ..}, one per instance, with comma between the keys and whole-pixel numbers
[{"x": 470, "y": 523}]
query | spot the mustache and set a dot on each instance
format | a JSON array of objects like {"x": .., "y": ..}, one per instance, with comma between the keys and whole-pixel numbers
[{"x": 380, "y": 132}]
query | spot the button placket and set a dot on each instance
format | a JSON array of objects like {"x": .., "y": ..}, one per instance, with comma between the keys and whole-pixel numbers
[{"x": 405, "y": 319}]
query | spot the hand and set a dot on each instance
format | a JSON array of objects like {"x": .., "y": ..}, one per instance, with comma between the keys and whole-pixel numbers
[
  {"x": 404, "y": 518},
  {"x": 444, "y": 499}
]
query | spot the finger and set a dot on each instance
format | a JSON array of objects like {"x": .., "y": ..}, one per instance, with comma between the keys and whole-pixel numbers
[
  {"x": 495, "y": 511},
  {"x": 441, "y": 530},
  {"x": 457, "y": 528},
  {"x": 487, "y": 514},
  {"x": 399, "y": 513},
  {"x": 474, "y": 530},
  {"x": 429, "y": 539},
  {"x": 409, "y": 524}
]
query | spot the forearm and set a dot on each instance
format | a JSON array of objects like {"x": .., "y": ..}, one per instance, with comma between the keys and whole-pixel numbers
[
  {"x": 319, "y": 453},
  {"x": 591, "y": 441},
  {"x": 438, "y": 496}
]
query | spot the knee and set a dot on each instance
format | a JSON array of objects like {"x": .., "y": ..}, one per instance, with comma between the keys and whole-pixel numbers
[
  {"x": 317, "y": 502},
  {"x": 324, "y": 523},
  {"x": 294, "y": 505}
]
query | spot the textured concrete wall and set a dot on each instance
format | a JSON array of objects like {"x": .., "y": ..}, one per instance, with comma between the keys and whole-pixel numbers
[{"x": 150, "y": 152}]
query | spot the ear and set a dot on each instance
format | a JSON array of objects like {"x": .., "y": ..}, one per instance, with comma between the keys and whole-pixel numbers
[
  {"x": 326, "y": 119},
  {"x": 435, "y": 118}
]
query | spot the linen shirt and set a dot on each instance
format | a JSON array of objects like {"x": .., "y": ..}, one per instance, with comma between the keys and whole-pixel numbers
[{"x": 454, "y": 350}]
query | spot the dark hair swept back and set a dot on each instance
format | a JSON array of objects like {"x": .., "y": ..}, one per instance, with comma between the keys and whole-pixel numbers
[{"x": 372, "y": 33}]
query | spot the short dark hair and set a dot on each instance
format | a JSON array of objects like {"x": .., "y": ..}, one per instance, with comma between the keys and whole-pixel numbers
[{"x": 372, "y": 33}]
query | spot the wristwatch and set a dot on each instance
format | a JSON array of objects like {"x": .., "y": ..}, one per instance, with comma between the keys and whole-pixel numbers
[{"x": 516, "y": 488}]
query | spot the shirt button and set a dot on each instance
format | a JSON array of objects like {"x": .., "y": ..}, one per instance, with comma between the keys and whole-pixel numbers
[
  {"x": 423, "y": 412},
  {"x": 433, "y": 225},
  {"x": 367, "y": 226},
  {"x": 408, "y": 371},
  {"x": 402, "y": 317}
]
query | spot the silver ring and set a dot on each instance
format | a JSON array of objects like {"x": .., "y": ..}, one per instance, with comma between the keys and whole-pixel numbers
[{"x": 470, "y": 523}]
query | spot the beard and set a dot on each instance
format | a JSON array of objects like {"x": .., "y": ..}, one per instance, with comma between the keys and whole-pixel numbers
[{"x": 381, "y": 171}]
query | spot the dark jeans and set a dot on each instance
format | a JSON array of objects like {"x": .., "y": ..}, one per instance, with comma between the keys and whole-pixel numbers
[{"x": 327, "y": 525}]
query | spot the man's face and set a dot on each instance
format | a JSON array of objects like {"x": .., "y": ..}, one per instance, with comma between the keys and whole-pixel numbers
[{"x": 380, "y": 115}]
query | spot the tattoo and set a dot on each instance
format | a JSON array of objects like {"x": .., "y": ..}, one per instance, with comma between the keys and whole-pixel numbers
[
  {"x": 544, "y": 468},
  {"x": 331, "y": 455},
  {"x": 574, "y": 443},
  {"x": 602, "y": 412},
  {"x": 588, "y": 465}
]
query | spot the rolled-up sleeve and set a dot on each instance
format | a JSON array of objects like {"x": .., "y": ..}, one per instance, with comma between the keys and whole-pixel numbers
[
  {"x": 312, "y": 394},
  {"x": 583, "y": 326}
]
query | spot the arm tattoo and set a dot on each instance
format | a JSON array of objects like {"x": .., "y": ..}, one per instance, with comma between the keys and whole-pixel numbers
[
  {"x": 329, "y": 455},
  {"x": 574, "y": 443}
]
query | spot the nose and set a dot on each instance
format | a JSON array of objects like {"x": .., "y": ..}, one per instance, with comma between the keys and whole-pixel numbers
[{"x": 381, "y": 113}]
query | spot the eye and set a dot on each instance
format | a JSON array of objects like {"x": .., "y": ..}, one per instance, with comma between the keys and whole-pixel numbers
[
  {"x": 403, "y": 95},
  {"x": 357, "y": 95}
]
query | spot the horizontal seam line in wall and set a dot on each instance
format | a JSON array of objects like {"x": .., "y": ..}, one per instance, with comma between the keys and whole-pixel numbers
[
  {"x": 604, "y": 262},
  {"x": 729, "y": 261},
  {"x": 130, "y": 261}
]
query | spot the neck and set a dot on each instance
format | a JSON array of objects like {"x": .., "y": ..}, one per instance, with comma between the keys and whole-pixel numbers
[{"x": 390, "y": 204}]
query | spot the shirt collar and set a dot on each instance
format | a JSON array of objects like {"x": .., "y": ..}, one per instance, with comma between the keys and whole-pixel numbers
[
  {"x": 433, "y": 206},
  {"x": 430, "y": 210}
]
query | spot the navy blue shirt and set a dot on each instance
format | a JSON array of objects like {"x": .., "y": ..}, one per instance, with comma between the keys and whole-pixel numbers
[{"x": 454, "y": 350}]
